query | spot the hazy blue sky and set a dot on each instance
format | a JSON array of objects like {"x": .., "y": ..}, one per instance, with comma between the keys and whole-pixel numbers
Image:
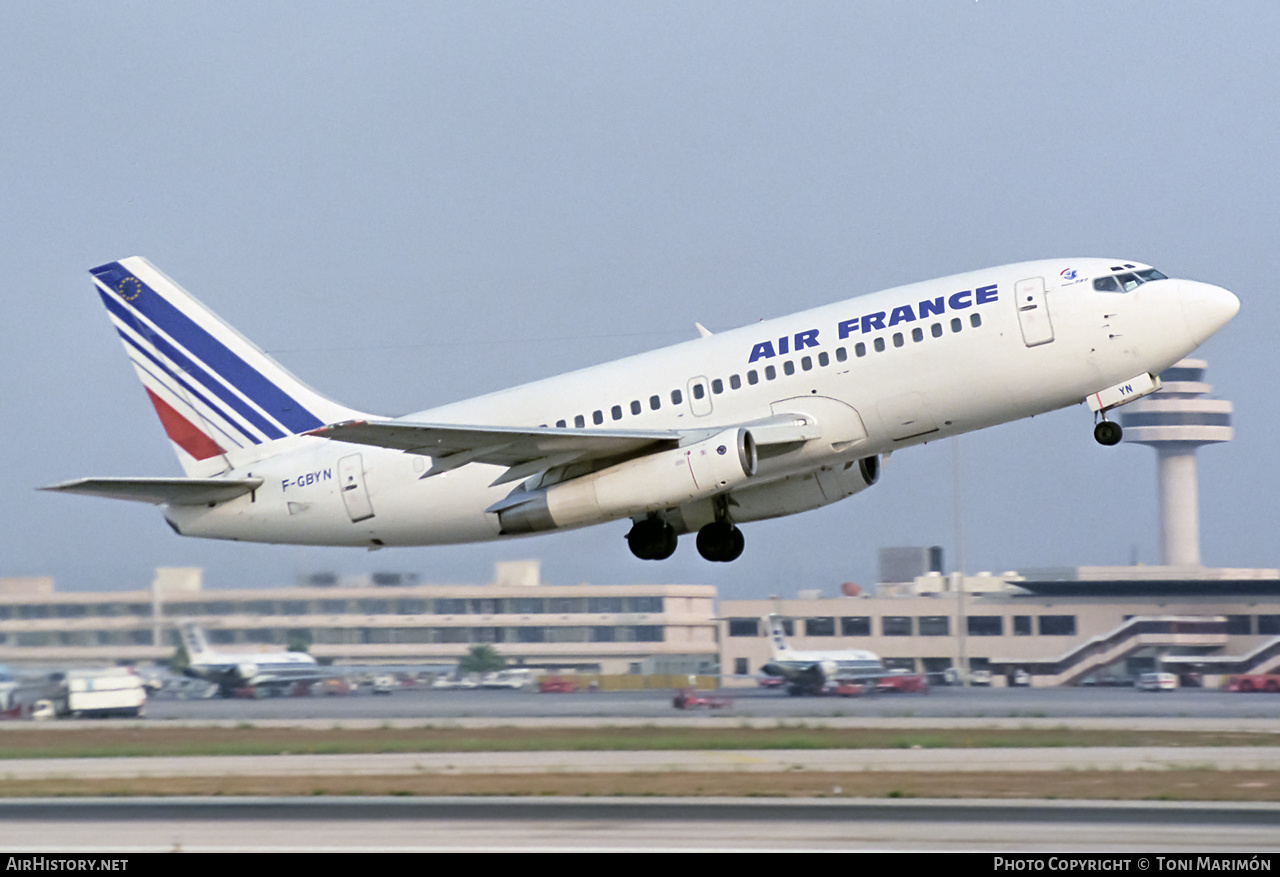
[{"x": 412, "y": 203}]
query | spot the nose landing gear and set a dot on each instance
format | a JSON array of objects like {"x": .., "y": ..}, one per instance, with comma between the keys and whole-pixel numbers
[{"x": 1107, "y": 432}]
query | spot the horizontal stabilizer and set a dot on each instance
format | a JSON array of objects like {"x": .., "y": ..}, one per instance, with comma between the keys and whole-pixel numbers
[{"x": 157, "y": 491}]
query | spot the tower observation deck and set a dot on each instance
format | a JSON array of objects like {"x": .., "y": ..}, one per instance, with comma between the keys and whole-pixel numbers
[{"x": 1176, "y": 421}]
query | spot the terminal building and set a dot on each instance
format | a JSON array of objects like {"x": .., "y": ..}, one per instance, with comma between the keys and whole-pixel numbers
[{"x": 387, "y": 618}]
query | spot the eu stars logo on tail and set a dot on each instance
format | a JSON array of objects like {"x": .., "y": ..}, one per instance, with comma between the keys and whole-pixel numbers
[{"x": 702, "y": 437}]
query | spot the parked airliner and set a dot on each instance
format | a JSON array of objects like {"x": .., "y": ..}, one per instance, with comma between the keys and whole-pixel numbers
[
  {"x": 809, "y": 672},
  {"x": 771, "y": 419},
  {"x": 232, "y": 670}
]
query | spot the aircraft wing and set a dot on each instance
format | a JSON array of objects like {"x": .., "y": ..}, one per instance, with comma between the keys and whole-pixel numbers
[
  {"x": 173, "y": 491},
  {"x": 528, "y": 450},
  {"x": 524, "y": 450}
]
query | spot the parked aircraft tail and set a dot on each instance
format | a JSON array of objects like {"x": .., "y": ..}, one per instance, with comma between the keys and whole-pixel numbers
[
  {"x": 777, "y": 635},
  {"x": 214, "y": 390},
  {"x": 194, "y": 640}
]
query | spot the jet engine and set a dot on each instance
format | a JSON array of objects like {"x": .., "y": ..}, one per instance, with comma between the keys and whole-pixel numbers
[{"x": 636, "y": 487}]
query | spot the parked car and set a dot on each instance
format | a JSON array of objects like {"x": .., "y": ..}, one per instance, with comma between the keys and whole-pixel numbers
[
  {"x": 980, "y": 677},
  {"x": 1157, "y": 682}
]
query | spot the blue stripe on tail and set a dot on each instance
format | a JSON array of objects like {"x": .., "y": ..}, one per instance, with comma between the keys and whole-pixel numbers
[{"x": 208, "y": 350}]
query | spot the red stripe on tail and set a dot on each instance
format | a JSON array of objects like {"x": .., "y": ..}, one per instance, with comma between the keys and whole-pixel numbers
[{"x": 183, "y": 432}]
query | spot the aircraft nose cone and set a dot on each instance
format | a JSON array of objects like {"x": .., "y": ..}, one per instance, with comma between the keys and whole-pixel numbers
[{"x": 1207, "y": 309}]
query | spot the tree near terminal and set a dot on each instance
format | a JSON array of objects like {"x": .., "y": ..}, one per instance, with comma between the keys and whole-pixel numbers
[{"x": 482, "y": 659}]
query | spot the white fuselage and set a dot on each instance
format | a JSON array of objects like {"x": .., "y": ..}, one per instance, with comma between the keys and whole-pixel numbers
[{"x": 937, "y": 375}]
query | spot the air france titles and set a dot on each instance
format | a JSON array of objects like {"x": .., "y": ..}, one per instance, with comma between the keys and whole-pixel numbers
[{"x": 868, "y": 324}]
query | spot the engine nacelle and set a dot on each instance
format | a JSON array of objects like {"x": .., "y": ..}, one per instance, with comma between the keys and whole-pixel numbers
[
  {"x": 635, "y": 487},
  {"x": 799, "y": 493},
  {"x": 247, "y": 671}
]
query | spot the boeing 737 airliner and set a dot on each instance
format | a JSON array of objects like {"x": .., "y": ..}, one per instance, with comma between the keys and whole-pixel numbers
[{"x": 767, "y": 420}]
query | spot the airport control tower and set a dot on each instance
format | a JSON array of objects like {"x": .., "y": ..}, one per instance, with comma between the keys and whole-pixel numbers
[{"x": 1176, "y": 421}]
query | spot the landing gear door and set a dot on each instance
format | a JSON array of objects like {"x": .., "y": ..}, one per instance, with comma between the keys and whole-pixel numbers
[
  {"x": 355, "y": 496},
  {"x": 1033, "y": 311}
]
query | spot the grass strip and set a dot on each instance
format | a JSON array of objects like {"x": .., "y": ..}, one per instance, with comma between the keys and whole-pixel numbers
[
  {"x": 1182, "y": 785},
  {"x": 42, "y": 741}
]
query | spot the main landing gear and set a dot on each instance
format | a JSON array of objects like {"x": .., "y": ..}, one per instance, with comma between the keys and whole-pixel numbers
[
  {"x": 652, "y": 539},
  {"x": 1107, "y": 432},
  {"x": 721, "y": 541}
]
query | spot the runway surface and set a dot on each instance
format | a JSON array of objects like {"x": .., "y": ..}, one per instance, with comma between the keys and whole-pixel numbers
[
  {"x": 748, "y": 760},
  {"x": 650, "y": 825},
  {"x": 940, "y": 702}
]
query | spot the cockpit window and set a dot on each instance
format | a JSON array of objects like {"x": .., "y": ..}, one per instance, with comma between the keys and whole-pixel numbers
[{"x": 1128, "y": 281}]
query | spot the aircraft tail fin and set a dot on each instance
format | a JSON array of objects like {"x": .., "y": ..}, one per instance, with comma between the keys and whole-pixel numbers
[
  {"x": 194, "y": 640},
  {"x": 214, "y": 390},
  {"x": 777, "y": 635}
]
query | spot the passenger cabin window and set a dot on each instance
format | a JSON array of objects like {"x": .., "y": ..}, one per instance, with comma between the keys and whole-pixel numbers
[
  {"x": 597, "y": 417},
  {"x": 753, "y": 378},
  {"x": 635, "y": 405},
  {"x": 579, "y": 421},
  {"x": 616, "y": 412},
  {"x": 717, "y": 386},
  {"x": 789, "y": 367},
  {"x": 655, "y": 403},
  {"x": 698, "y": 391},
  {"x": 770, "y": 373},
  {"x": 735, "y": 382},
  {"x": 676, "y": 397}
]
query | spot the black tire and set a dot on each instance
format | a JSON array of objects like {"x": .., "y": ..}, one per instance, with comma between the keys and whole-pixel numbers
[{"x": 1108, "y": 433}]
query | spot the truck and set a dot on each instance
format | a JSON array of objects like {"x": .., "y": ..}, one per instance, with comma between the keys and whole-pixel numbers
[{"x": 116, "y": 691}]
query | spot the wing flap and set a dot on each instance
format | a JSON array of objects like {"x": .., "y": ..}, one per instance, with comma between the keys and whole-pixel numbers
[{"x": 158, "y": 491}]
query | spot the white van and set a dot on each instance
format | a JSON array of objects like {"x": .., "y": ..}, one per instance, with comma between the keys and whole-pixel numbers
[{"x": 1157, "y": 682}]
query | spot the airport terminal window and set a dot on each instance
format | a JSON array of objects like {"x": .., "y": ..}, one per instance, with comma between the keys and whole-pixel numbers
[
  {"x": 531, "y": 634},
  {"x": 604, "y": 604},
  {"x": 855, "y": 625},
  {"x": 604, "y": 634},
  {"x": 744, "y": 627},
  {"x": 935, "y": 625},
  {"x": 1057, "y": 625},
  {"x": 526, "y": 605},
  {"x": 820, "y": 626},
  {"x": 986, "y": 625},
  {"x": 1022, "y": 625},
  {"x": 896, "y": 625},
  {"x": 642, "y": 604},
  {"x": 644, "y": 633},
  {"x": 1268, "y": 624},
  {"x": 740, "y": 667},
  {"x": 566, "y": 605},
  {"x": 1239, "y": 625},
  {"x": 906, "y": 665}
]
